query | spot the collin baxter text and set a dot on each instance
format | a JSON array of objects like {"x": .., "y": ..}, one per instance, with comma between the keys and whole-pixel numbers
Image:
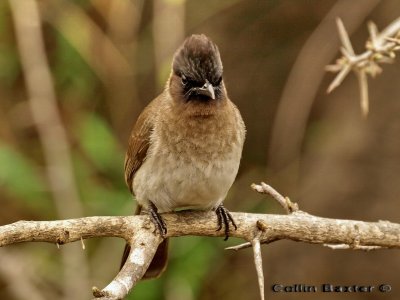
[{"x": 324, "y": 288}]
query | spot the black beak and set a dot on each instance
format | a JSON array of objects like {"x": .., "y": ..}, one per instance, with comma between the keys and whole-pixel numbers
[{"x": 206, "y": 90}]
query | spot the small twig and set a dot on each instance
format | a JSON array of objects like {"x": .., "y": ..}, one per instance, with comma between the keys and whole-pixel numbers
[
  {"x": 285, "y": 202},
  {"x": 83, "y": 244},
  {"x": 258, "y": 263},
  {"x": 363, "y": 83},
  {"x": 346, "y": 247},
  {"x": 339, "y": 78},
  {"x": 239, "y": 247},
  {"x": 344, "y": 37}
]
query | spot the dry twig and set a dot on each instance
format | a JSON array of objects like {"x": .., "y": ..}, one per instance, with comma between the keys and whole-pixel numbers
[
  {"x": 380, "y": 48},
  {"x": 258, "y": 263},
  {"x": 285, "y": 202}
]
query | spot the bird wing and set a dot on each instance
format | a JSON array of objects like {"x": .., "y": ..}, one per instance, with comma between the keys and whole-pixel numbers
[{"x": 139, "y": 143}]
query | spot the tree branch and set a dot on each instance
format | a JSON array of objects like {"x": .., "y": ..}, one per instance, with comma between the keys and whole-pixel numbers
[
  {"x": 143, "y": 248},
  {"x": 139, "y": 231}
]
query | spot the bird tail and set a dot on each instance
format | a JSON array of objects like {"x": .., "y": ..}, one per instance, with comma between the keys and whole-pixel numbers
[{"x": 160, "y": 259}]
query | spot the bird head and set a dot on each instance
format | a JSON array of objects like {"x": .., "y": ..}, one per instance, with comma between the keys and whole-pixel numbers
[{"x": 197, "y": 71}]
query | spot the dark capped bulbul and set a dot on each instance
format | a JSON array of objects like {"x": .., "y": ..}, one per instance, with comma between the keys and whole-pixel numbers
[{"x": 185, "y": 148}]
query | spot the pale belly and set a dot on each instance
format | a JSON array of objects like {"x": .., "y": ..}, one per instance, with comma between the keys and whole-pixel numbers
[{"x": 172, "y": 182}]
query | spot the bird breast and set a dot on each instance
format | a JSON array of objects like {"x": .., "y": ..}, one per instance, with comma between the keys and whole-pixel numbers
[{"x": 190, "y": 163}]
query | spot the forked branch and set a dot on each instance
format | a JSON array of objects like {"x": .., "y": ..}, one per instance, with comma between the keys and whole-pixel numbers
[{"x": 140, "y": 233}]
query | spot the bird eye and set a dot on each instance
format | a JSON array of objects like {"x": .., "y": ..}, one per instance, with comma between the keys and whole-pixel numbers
[
  {"x": 218, "y": 80},
  {"x": 184, "y": 80}
]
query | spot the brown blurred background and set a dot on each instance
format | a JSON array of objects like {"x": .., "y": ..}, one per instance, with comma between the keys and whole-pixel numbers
[{"x": 63, "y": 137}]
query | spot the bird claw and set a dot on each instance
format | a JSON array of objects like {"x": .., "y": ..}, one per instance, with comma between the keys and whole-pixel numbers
[
  {"x": 157, "y": 220},
  {"x": 224, "y": 218}
]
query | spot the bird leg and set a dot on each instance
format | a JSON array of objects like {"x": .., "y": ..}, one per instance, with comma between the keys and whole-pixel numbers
[
  {"x": 157, "y": 219},
  {"x": 224, "y": 218}
]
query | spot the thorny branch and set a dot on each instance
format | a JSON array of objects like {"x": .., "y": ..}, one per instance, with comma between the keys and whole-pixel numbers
[
  {"x": 380, "y": 48},
  {"x": 257, "y": 229}
]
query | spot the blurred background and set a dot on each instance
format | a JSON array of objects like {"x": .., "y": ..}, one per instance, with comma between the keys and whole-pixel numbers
[{"x": 74, "y": 76}]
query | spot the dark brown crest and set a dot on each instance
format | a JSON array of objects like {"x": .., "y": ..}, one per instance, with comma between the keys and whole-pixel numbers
[{"x": 198, "y": 59}]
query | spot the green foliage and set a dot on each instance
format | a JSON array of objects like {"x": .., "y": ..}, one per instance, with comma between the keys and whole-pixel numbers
[
  {"x": 100, "y": 168},
  {"x": 148, "y": 289},
  {"x": 9, "y": 64},
  {"x": 193, "y": 257},
  {"x": 98, "y": 141},
  {"x": 72, "y": 73},
  {"x": 20, "y": 178}
]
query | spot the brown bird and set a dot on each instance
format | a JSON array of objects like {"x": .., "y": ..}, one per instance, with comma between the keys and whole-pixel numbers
[{"x": 185, "y": 148}]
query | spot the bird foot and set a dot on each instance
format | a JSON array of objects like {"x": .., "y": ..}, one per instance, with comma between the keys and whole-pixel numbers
[
  {"x": 224, "y": 218},
  {"x": 157, "y": 219}
]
